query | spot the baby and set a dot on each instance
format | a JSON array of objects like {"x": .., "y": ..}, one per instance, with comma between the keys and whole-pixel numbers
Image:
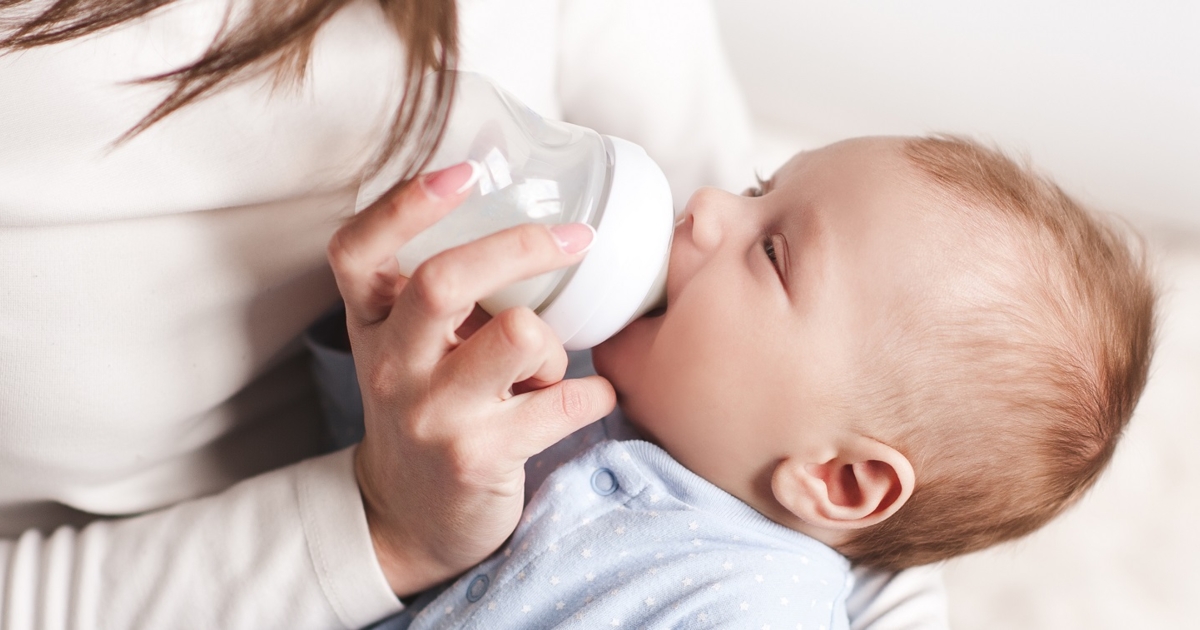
[{"x": 895, "y": 351}]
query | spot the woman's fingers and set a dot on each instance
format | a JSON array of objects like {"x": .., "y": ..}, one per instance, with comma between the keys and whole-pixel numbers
[
  {"x": 363, "y": 251},
  {"x": 547, "y": 415},
  {"x": 514, "y": 346},
  {"x": 444, "y": 289},
  {"x": 474, "y": 322}
]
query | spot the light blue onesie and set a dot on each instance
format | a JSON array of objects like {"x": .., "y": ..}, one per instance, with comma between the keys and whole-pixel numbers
[{"x": 623, "y": 536}]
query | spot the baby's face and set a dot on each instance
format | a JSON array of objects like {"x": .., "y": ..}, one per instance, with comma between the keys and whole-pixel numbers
[{"x": 770, "y": 302}]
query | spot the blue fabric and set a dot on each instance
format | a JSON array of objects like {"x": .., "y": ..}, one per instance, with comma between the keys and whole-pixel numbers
[
  {"x": 337, "y": 382},
  {"x": 622, "y": 535}
]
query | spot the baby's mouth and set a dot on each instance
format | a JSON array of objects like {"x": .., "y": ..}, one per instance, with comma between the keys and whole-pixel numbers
[{"x": 655, "y": 312}]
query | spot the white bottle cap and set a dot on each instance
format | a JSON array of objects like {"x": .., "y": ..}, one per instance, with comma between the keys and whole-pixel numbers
[{"x": 628, "y": 258}]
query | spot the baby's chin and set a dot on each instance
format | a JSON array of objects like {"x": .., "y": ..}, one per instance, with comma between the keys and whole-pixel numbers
[
  {"x": 622, "y": 357},
  {"x": 623, "y": 360}
]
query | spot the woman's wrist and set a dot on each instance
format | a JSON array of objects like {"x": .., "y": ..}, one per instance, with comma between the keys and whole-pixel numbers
[{"x": 407, "y": 570}]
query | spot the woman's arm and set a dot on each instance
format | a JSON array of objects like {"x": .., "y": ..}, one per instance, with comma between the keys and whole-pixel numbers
[
  {"x": 289, "y": 548},
  {"x": 435, "y": 486}
]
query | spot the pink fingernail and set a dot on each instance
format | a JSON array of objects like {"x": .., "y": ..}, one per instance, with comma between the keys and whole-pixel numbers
[
  {"x": 574, "y": 237},
  {"x": 450, "y": 181}
]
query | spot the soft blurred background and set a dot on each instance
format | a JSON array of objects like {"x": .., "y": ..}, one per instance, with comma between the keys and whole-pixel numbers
[{"x": 1104, "y": 95}]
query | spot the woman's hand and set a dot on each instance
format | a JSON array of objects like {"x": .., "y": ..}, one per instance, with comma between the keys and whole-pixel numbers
[{"x": 441, "y": 468}]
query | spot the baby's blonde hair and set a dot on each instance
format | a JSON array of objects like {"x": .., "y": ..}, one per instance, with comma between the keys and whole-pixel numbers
[{"x": 1010, "y": 396}]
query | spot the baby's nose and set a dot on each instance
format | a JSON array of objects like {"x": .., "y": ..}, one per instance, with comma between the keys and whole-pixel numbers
[{"x": 706, "y": 212}]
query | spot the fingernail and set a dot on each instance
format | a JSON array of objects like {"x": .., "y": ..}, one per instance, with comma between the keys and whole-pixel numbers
[
  {"x": 450, "y": 181},
  {"x": 573, "y": 238}
]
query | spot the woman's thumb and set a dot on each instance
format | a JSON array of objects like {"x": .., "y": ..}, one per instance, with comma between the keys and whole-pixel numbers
[{"x": 552, "y": 413}]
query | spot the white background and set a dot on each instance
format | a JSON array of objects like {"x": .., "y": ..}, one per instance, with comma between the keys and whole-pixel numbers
[{"x": 1104, "y": 95}]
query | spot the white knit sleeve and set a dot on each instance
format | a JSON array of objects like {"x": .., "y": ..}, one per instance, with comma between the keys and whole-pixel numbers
[
  {"x": 287, "y": 549},
  {"x": 655, "y": 73}
]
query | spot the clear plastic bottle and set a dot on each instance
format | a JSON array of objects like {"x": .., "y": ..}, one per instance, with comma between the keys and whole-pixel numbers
[{"x": 537, "y": 170}]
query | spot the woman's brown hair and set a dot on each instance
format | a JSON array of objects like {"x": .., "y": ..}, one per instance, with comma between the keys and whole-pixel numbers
[{"x": 274, "y": 36}]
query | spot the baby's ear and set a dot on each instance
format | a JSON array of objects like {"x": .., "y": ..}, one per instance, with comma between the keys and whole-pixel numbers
[{"x": 865, "y": 482}]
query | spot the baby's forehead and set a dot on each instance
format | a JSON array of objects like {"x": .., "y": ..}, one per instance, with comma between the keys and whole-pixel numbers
[
  {"x": 955, "y": 203},
  {"x": 910, "y": 233},
  {"x": 866, "y": 180},
  {"x": 868, "y": 176},
  {"x": 870, "y": 152}
]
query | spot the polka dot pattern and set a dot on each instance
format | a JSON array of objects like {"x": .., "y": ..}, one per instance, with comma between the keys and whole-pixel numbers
[{"x": 620, "y": 535}]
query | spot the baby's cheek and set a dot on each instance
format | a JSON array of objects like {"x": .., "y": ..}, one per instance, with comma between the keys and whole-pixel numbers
[{"x": 678, "y": 401}]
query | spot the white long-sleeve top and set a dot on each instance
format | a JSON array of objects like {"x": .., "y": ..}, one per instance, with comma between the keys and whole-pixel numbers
[{"x": 151, "y": 295}]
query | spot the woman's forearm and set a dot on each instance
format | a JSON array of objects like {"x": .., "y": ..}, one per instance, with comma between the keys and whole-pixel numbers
[{"x": 286, "y": 549}]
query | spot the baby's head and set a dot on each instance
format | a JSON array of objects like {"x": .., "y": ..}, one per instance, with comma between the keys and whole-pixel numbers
[{"x": 906, "y": 348}]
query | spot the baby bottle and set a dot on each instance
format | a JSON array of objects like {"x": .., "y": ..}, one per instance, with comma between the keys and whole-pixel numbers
[{"x": 545, "y": 171}]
